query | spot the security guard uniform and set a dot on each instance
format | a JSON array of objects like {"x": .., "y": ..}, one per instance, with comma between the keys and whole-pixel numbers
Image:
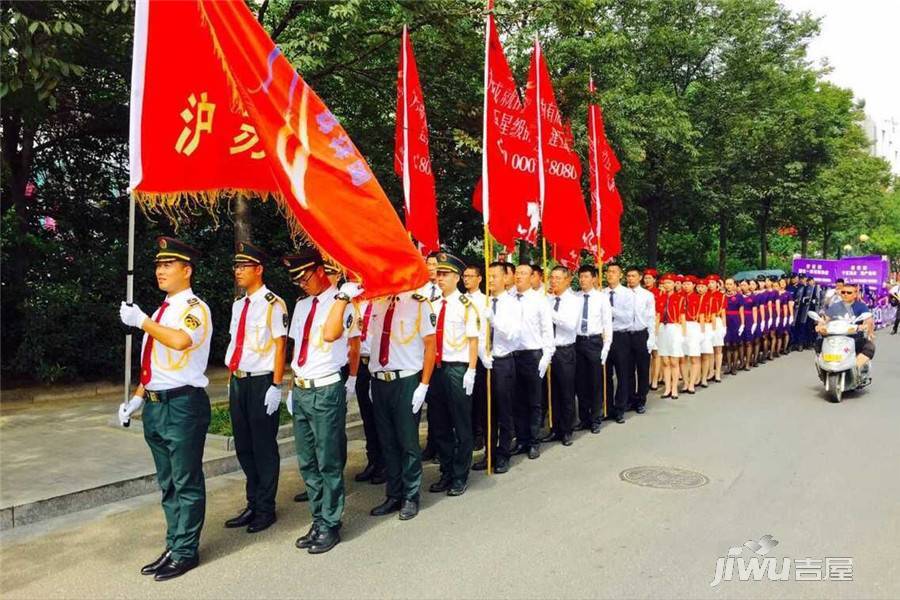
[
  {"x": 176, "y": 413},
  {"x": 397, "y": 329},
  {"x": 318, "y": 397},
  {"x": 257, "y": 320}
]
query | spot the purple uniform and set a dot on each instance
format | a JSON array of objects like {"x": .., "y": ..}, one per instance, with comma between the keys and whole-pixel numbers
[
  {"x": 733, "y": 304},
  {"x": 749, "y": 320},
  {"x": 786, "y": 299}
]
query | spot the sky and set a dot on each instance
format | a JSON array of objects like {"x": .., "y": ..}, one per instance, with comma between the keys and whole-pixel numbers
[{"x": 861, "y": 41}]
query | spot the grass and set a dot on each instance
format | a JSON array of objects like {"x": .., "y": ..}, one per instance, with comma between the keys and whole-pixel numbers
[{"x": 220, "y": 422}]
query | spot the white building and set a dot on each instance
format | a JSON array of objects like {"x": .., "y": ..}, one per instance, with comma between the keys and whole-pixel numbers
[{"x": 884, "y": 136}]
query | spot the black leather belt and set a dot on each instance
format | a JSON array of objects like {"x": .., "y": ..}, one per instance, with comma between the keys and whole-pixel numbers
[
  {"x": 589, "y": 337},
  {"x": 164, "y": 395}
]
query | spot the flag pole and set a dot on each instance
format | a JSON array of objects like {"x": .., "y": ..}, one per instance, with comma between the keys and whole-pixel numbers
[
  {"x": 129, "y": 298},
  {"x": 549, "y": 367},
  {"x": 595, "y": 191},
  {"x": 488, "y": 249}
]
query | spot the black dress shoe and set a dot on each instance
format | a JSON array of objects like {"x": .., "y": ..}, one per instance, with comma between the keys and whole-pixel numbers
[
  {"x": 640, "y": 410},
  {"x": 175, "y": 568},
  {"x": 302, "y": 497},
  {"x": 151, "y": 568},
  {"x": 478, "y": 445},
  {"x": 366, "y": 474},
  {"x": 379, "y": 477},
  {"x": 458, "y": 488},
  {"x": 385, "y": 508},
  {"x": 261, "y": 522},
  {"x": 501, "y": 467},
  {"x": 595, "y": 427},
  {"x": 550, "y": 437},
  {"x": 242, "y": 520},
  {"x": 305, "y": 540},
  {"x": 326, "y": 539},
  {"x": 566, "y": 439},
  {"x": 440, "y": 486},
  {"x": 409, "y": 509},
  {"x": 534, "y": 452},
  {"x": 480, "y": 465},
  {"x": 620, "y": 419},
  {"x": 519, "y": 449},
  {"x": 583, "y": 426}
]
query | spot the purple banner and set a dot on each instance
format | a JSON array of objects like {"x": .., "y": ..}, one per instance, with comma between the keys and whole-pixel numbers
[
  {"x": 872, "y": 271},
  {"x": 820, "y": 269}
]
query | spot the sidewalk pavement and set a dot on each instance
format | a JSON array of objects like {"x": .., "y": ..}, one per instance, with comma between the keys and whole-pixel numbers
[{"x": 61, "y": 456}]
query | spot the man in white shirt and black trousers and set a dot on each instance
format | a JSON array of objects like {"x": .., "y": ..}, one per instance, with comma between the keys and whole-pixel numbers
[
  {"x": 564, "y": 305},
  {"x": 532, "y": 357},
  {"x": 642, "y": 338},
  {"x": 593, "y": 339}
]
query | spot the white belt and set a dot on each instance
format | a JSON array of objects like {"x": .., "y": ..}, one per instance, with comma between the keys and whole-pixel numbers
[
  {"x": 393, "y": 375},
  {"x": 241, "y": 374},
  {"x": 308, "y": 384}
]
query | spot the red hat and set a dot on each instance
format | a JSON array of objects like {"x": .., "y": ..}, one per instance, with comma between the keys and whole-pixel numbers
[
  {"x": 692, "y": 279},
  {"x": 678, "y": 278},
  {"x": 651, "y": 271},
  {"x": 714, "y": 277},
  {"x": 703, "y": 282},
  {"x": 667, "y": 277}
]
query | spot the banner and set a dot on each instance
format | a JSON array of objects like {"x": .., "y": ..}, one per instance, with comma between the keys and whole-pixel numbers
[
  {"x": 872, "y": 271},
  {"x": 412, "y": 159},
  {"x": 507, "y": 194},
  {"x": 564, "y": 219},
  {"x": 606, "y": 203},
  {"x": 217, "y": 108},
  {"x": 820, "y": 269}
]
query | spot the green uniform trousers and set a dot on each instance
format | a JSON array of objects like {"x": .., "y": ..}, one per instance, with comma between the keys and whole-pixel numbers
[
  {"x": 255, "y": 441},
  {"x": 320, "y": 435},
  {"x": 175, "y": 429},
  {"x": 451, "y": 414},
  {"x": 398, "y": 433}
]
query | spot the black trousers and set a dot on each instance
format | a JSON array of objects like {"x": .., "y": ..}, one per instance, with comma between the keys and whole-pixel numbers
[
  {"x": 896, "y": 320},
  {"x": 503, "y": 390},
  {"x": 640, "y": 359},
  {"x": 527, "y": 404},
  {"x": 588, "y": 378},
  {"x": 479, "y": 401},
  {"x": 619, "y": 363},
  {"x": 374, "y": 453},
  {"x": 562, "y": 381},
  {"x": 451, "y": 422},
  {"x": 255, "y": 440}
]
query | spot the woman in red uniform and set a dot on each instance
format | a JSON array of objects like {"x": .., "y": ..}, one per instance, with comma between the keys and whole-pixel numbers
[
  {"x": 717, "y": 314},
  {"x": 705, "y": 318},
  {"x": 693, "y": 336},
  {"x": 670, "y": 329},
  {"x": 655, "y": 362}
]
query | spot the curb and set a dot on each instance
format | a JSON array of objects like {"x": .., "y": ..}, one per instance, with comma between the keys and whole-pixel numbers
[{"x": 33, "y": 512}]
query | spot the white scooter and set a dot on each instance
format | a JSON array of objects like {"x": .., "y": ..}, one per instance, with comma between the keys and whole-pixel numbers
[{"x": 836, "y": 363}]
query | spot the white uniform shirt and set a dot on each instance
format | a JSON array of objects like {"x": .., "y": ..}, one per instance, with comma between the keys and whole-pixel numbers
[
  {"x": 460, "y": 324},
  {"x": 431, "y": 291},
  {"x": 266, "y": 320},
  {"x": 537, "y": 322},
  {"x": 171, "y": 368},
  {"x": 322, "y": 358},
  {"x": 479, "y": 301},
  {"x": 365, "y": 334},
  {"x": 565, "y": 317},
  {"x": 412, "y": 321},
  {"x": 506, "y": 324},
  {"x": 644, "y": 312},
  {"x": 599, "y": 314},
  {"x": 622, "y": 304}
]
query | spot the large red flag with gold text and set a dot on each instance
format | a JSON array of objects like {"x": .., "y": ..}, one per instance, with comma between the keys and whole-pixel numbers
[
  {"x": 217, "y": 108},
  {"x": 412, "y": 159},
  {"x": 509, "y": 180},
  {"x": 564, "y": 219},
  {"x": 606, "y": 203}
]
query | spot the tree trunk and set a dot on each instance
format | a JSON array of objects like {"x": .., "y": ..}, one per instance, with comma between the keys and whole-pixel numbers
[
  {"x": 652, "y": 206},
  {"x": 804, "y": 241},
  {"x": 763, "y": 233},
  {"x": 242, "y": 229},
  {"x": 524, "y": 253},
  {"x": 826, "y": 238},
  {"x": 723, "y": 240}
]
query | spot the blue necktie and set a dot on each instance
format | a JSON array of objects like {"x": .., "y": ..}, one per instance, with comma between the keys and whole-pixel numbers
[{"x": 584, "y": 315}]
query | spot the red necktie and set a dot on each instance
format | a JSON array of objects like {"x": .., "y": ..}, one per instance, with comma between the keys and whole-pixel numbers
[
  {"x": 365, "y": 324},
  {"x": 440, "y": 333},
  {"x": 239, "y": 340},
  {"x": 146, "y": 371},
  {"x": 304, "y": 345},
  {"x": 384, "y": 351}
]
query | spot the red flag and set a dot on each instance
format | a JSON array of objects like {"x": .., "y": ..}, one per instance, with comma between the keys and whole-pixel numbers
[
  {"x": 412, "y": 160},
  {"x": 564, "y": 218},
  {"x": 217, "y": 108},
  {"x": 507, "y": 194},
  {"x": 606, "y": 203}
]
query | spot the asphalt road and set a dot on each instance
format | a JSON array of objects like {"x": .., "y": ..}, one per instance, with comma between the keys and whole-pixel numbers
[{"x": 780, "y": 460}]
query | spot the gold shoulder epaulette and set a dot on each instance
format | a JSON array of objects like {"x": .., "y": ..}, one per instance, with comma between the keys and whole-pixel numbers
[
  {"x": 419, "y": 298},
  {"x": 270, "y": 298},
  {"x": 193, "y": 301},
  {"x": 464, "y": 299}
]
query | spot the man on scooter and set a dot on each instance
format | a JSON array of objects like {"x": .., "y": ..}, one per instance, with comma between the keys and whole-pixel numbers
[{"x": 851, "y": 307}]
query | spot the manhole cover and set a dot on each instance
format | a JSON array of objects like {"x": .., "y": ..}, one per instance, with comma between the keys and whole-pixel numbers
[{"x": 669, "y": 478}]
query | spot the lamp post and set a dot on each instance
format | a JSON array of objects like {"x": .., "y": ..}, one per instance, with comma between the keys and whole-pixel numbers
[{"x": 847, "y": 249}]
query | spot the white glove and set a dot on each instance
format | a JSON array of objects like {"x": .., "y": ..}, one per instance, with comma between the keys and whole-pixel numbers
[
  {"x": 273, "y": 399},
  {"x": 603, "y": 354},
  {"x": 126, "y": 409},
  {"x": 469, "y": 381},
  {"x": 419, "y": 397},
  {"x": 650, "y": 344},
  {"x": 753, "y": 328},
  {"x": 352, "y": 289},
  {"x": 741, "y": 330},
  {"x": 543, "y": 365},
  {"x": 487, "y": 361},
  {"x": 778, "y": 321},
  {"x": 489, "y": 315},
  {"x": 351, "y": 385},
  {"x": 770, "y": 323},
  {"x": 132, "y": 315},
  {"x": 289, "y": 402}
]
